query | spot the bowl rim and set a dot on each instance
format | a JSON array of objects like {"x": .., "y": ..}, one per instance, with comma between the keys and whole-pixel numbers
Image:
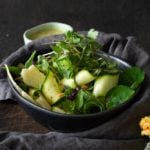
[{"x": 28, "y": 102}]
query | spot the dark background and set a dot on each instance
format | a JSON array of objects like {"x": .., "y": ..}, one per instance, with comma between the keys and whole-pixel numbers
[{"x": 126, "y": 17}]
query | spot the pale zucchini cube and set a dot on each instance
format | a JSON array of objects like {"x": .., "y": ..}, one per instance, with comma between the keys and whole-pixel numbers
[{"x": 84, "y": 77}]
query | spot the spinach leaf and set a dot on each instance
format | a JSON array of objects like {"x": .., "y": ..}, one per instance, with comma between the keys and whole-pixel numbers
[
  {"x": 56, "y": 48},
  {"x": 132, "y": 77},
  {"x": 30, "y": 60},
  {"x": 80, "y": 100},
  {"x": 118, "y": 95}
]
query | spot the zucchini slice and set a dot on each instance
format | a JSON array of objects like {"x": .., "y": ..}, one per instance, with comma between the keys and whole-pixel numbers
[
  {"x": 68, "y": 83},
  {"x": 41, "y": 101},
  {"x": 104, "y": 83},
  {"x": 58, "y": 110},
  {"x": 51, "y": 89},
  {"x": 32, "y": 77},
  {"x": 84, "y": 77}
]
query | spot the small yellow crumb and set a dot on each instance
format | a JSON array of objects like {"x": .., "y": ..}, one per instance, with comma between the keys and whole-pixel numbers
[{"x": 145, "y": 126}]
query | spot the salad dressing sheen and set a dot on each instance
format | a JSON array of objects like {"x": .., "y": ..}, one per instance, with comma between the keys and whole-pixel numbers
[{"x": 45, "y": 33}]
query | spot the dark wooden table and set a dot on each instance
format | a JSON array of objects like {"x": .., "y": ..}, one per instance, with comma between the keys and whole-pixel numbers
[{"x": 126, "y": 17}]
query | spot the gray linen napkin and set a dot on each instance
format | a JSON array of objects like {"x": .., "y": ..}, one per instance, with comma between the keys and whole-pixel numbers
[{"x": 121, "y": 132}]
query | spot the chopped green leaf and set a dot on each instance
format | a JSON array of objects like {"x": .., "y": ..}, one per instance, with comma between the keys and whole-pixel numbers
[
  {"x": 14, "y": 70},
  {"x": 80, "y": 100},
  {"x": 43, "y": 64},
  {"x": 30, "y": 60},
  {"x": 56, "y": 48},
  {"x": 64, "y": 67},
  {"x": 23, "y": 86},
  {"x": 66, "y": 104}
]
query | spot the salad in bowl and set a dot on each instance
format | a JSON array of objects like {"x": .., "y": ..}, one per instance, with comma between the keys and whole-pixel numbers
[{"x": 76, "y": 77}]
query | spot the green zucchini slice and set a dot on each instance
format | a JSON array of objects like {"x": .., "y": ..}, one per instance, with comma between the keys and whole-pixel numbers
[{"x": 51, "y": 89}]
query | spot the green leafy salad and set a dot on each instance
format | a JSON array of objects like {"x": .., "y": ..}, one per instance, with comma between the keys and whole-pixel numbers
[{"x": 73, "y": 79}]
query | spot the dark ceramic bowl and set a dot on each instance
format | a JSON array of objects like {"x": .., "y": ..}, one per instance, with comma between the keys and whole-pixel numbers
[{"x": 64, "y": 122}]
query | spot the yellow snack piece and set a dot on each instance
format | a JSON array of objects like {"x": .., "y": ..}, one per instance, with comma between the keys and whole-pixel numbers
[{"x": 145, "y": 126}]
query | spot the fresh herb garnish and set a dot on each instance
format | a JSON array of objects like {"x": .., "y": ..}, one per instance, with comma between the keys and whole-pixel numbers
[
  {"x": 43, "y": 64},
  {"x": 75, "y": 52},
  {"x": 29, "y": 62}
]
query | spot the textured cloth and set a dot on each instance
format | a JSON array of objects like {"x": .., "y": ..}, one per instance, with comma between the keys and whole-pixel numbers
[{"x": 121, "y": 132}]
